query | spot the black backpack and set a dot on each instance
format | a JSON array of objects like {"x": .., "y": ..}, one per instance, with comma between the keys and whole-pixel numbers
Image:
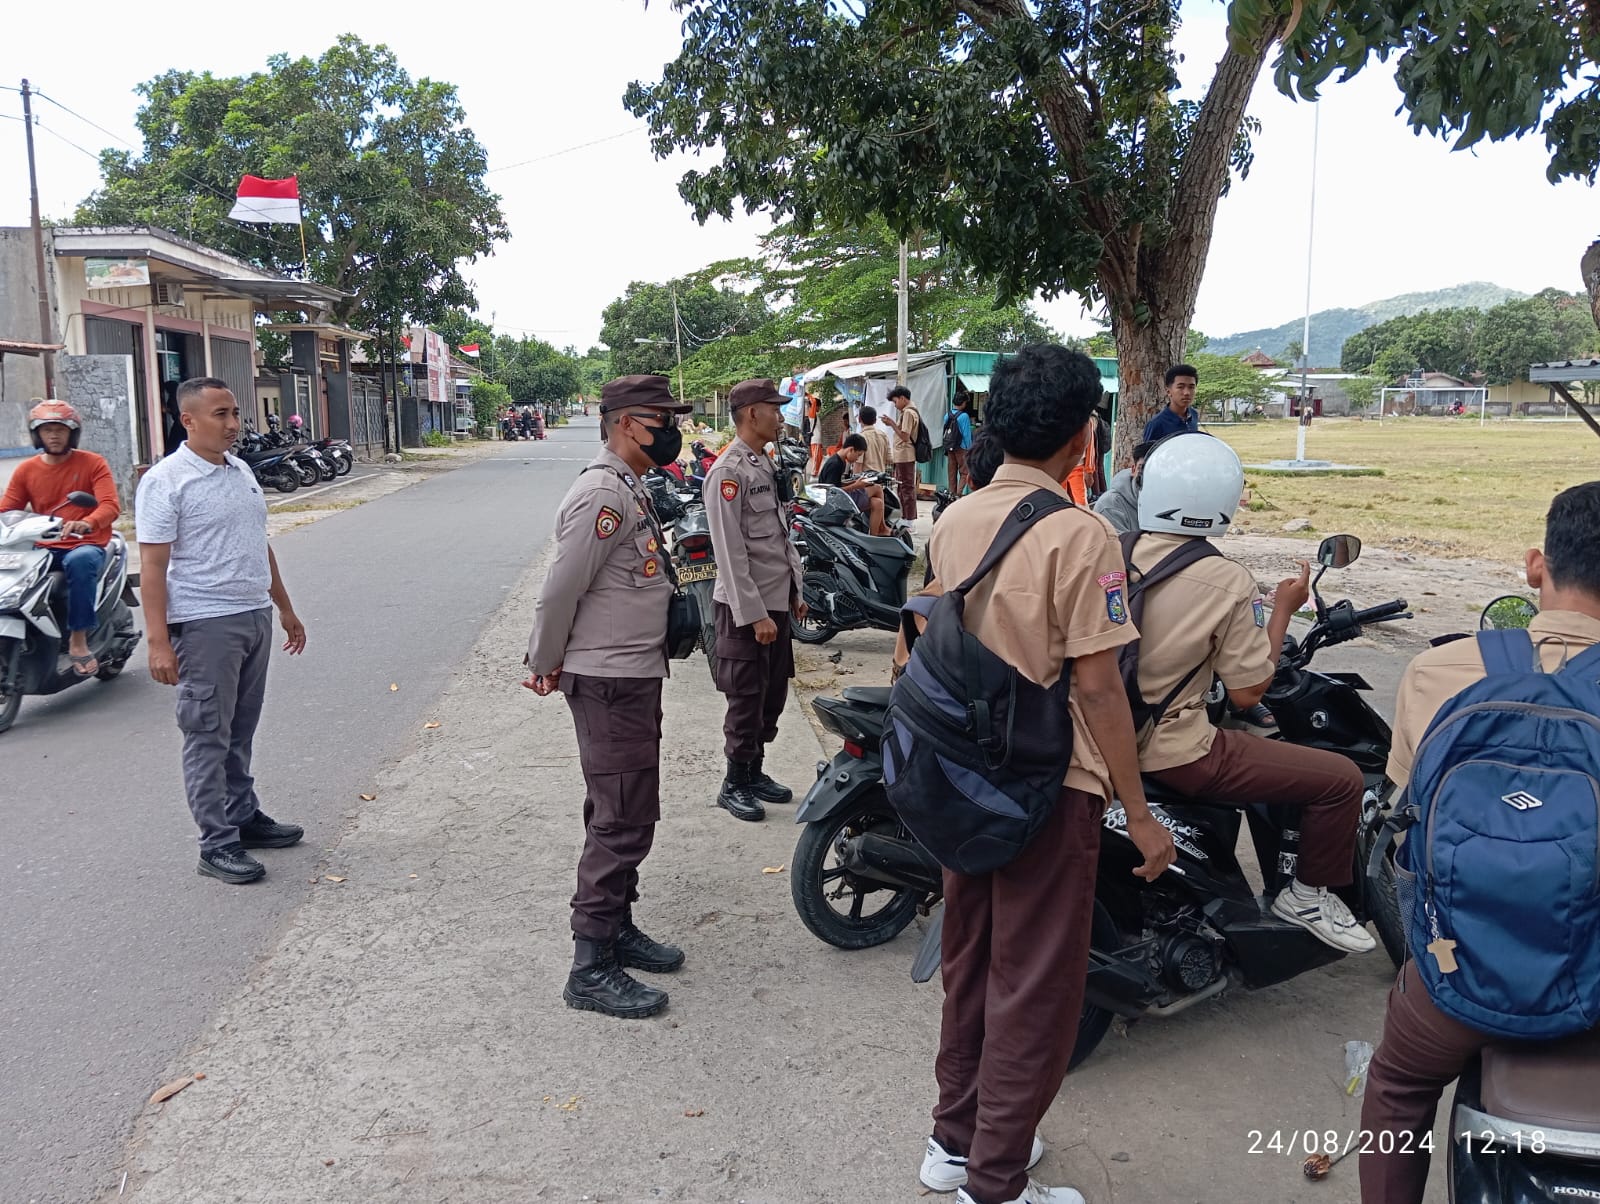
[
  {"x": 974, "y": 753},
  {"x": 1145, "y": 714},
  {"x": 921, "y": 444},
  {"x": 952, "y": 432}
]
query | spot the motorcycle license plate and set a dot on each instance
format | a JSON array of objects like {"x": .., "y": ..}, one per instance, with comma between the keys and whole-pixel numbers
[
  {"x": 697, "y": 572},
  {"x": 13, "y": 560}
]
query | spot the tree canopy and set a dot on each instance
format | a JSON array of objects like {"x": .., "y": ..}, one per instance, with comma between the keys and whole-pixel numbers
[
  {"x": 1226, "y": 378},
  {"x": 1043, "y": 141},
  {"x": 1499, "y": 343},
  {"x": 391, "y": 178},
  {"x": 638, "y": 326}
]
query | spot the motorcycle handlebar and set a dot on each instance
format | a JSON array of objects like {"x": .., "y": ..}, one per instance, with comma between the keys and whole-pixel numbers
[{"x": 1385, "y": 610}]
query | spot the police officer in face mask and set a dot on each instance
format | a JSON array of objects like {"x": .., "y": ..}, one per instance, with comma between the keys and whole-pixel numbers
[{"x": 599, "y": 637}]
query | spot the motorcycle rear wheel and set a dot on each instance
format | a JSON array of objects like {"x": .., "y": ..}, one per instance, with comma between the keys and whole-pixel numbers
[
  {"x": 814, "y": 629},
  {"x": 817, "y": 870},
  {"x": 1094, "y": 1022},
  {"x": 1383, "y": 903},
  {"x": 285, "y": 479},
  {"x": 307, "y": 473},
  {"x": 327, "y": 471},
  {"x": 342, "y": 465}
]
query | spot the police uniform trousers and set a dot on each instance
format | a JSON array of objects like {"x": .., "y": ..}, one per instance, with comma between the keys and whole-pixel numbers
[
  {"x": 1013, "y": 992},
  {"x": 754, "y": 678},
  {"x": 618, "y": 721}
]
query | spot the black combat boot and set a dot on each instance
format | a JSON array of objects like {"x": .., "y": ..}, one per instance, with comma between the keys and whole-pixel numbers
[
  {"x": 598, "y": 984},
  {"x": 764, "y": 788},
  {"x": 636, "y": 951},
  {"x": 736, "y": 797}
]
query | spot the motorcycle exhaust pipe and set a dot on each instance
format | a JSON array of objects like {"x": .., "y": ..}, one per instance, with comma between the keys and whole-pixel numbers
[
  {"x": 1118, "y": 987},
  {"x": 893, "y": 862}
]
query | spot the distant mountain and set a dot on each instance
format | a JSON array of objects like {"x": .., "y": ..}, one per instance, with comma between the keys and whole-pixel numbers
[{"x": 1331, "y": 327}]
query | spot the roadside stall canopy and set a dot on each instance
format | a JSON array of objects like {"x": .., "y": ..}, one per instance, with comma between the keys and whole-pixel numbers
[{"x": 1559, "y": 375}]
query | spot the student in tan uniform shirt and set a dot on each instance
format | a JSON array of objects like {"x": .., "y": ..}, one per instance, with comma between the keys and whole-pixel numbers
[
  {"x": 758, "y": 588},
  {"x": 1014, "y": 985},
  {"x": 600, "y": 638},
  {"x": 1423, "y": 1050},
  {"x": 1210, "y": 619},
  {"x": 876, "y": 457},
  {"x": 905, "y": 422}
]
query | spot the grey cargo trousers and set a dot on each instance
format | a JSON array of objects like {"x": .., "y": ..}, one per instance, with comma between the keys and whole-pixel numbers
[{"x": 222, "y": 680}]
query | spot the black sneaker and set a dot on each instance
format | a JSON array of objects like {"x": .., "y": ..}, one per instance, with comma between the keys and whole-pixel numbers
[
  {"x": 263, "y": 832},
  {"x": 736, "y": 797},
  {"x": 230, "y": 864},
  {"x": 598, "y": 984},
  {"x": 636, "y": 951}
]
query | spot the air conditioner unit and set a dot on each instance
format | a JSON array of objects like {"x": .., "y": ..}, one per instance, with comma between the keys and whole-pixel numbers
[{"x": 169, "y": 294}]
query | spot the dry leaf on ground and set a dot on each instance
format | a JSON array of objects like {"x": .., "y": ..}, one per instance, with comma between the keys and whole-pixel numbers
[
  {"x": 772, "y": 869},
  {"x": 431, "y": 725},
  {"x": 333, "y": 877},
  {"x": 367, "y": 798},
  {"x": 393, "y": 686},
  {"x": 694, "y": 1111},
  {"x": 162, "y": 1094}
]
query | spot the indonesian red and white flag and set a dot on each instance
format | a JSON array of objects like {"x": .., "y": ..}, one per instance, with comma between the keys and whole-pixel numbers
[
  {"x": 469, "y": 349},
  {"x": 275, "y": 201}
]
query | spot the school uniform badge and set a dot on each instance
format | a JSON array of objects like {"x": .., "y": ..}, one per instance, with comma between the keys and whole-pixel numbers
[
  {"x": 1259, "y": 610},
  {"x": 607, "y": 522},
  {"x": 730, "y": 490},
  {"x": 1116, "y": 608}
]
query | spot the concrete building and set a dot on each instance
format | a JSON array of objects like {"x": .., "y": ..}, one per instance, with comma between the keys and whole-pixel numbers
[{"x": 171, "y": 308}]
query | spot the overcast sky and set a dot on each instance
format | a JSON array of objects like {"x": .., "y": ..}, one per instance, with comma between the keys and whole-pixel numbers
[{"x": 1395, "y": 213}]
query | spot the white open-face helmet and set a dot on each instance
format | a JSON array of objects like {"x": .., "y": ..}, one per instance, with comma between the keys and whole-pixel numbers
[{"x": 1192, "y": 485}]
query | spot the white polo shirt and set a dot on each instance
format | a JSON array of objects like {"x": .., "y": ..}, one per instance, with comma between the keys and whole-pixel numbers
[{"x": 214, "y": 516}]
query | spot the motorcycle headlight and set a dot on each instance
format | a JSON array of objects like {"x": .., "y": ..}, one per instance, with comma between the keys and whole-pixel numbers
[{"x": 15, "y": 592}]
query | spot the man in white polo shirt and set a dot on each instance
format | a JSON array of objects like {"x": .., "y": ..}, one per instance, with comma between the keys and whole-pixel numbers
[{"x": 208, "y": 580}]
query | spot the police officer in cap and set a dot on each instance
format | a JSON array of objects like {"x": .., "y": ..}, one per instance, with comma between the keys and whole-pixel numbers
[
  {"x": 599, "y": 637},
  {"x": 758, "y": 588}
]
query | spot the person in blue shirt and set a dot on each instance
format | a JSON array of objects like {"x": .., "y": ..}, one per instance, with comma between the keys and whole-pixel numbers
[
  {"x": 957, "y": 439},
  {"x": 1179, "y": 414}
]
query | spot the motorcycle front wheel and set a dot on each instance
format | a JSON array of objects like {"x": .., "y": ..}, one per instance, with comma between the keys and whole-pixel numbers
[
  {"x": 815, "y": 628},
  {"x": 1382, "y": 900},
  {"x": 327, "y": 470},
  {"x": 307, "y": 473},
  {"x": 342, "y": 465},
  {"x": 285, "y": 479},
  {"x": 831, "y": 901}
]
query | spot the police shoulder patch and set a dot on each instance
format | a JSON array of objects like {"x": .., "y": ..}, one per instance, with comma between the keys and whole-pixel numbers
[
  {"x": 730, "y": 489},
  {"x": 607, "y": 522}
]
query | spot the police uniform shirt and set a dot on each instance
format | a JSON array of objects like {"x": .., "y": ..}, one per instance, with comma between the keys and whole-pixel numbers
[
  {"x": 602, "y": 610},
  {"x": 1057, "y": 595},
  {"x": 1211, "y": 615},
  {"x": 758, "y": 569},
  {"x": 1439, "y": 674}
]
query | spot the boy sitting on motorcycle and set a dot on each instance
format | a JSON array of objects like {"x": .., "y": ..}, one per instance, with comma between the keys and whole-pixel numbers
[
  {"x": 42, "y": 484},
  {"x": 1215, "y": 623}
]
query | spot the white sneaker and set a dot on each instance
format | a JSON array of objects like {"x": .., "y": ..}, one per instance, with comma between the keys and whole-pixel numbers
[
  {"x": 1034, "y": 1193},
  {"x": 944, "y": 1171},
  {"x": 1323, "y": 914}
]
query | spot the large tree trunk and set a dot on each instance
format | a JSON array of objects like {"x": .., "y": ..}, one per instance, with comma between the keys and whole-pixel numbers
[{"x": 1144, "y": 353}]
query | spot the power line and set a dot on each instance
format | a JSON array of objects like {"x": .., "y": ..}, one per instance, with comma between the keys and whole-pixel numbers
[{"x": 565, "y": 151}]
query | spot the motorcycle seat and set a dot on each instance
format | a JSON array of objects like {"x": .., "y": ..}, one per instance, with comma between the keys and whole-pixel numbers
[
  {"x": 1545, "y": 1085},
  {"x": 872, "y": 696}
]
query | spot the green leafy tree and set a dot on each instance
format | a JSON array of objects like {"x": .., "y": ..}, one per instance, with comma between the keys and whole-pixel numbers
[
  {"x": 1363, "y": 391},
  {"x": 391, "y": 178},
  {"x": 1194, "y": 343},
  {"x": 638, "y": 326},
  {"x": 1291, "y": 353},
  {"x": 1226, "y": 379},
  {"x": 1043, "y": 140},
  {"x": 594, "y": 366},
  {"x": 489, "y": 400}
]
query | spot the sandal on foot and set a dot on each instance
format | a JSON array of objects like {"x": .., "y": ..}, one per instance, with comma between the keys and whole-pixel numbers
[{"x": 81, "y": 665}]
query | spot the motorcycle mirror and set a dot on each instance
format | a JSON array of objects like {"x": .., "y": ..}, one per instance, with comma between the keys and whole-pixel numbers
[
  {"x": 1338, "y": 551},
  {"x": 1506, "y": 612},
  {"x": 79, "y": 498}
]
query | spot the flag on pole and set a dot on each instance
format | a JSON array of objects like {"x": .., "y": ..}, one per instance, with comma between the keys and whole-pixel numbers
[
  {"x": 406, "y": 339},
  {"x": 271, "y": 201},
  {"x": 469, "y": 349}
]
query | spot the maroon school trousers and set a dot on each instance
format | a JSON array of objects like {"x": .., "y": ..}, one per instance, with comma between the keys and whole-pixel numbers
[
  {"x": 905, "y": 478},
  {"x": 1016, "y": 950}
]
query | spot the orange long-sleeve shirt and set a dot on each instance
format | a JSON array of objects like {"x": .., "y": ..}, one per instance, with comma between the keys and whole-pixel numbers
[{"x": 45, "y": 486}]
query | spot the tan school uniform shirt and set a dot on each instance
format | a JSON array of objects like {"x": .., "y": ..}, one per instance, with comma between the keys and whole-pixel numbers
[
  {"x": 1439, "y": 674},
  {"x": 1212, "y": 616},
  {"x": 758, "y": 569},
  {"x": 908, "y": 422},
  {"x": 876, "y": 457},
  {"x": 602, "y": 610},
  {"x": 1058, "y": 594}
]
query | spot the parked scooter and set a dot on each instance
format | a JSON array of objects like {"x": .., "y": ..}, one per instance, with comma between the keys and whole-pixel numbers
[
  {"x": 33, "y": 611},
  {"x": 858, "y": 877},
  {"x": 851, "y": 579},
  {"x": 274, "y": 466}
]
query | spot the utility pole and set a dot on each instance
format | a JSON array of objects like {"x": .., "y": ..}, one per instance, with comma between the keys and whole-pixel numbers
[
  {"x": 904, "y": 318},
  {"x": 1305, "y": 332},
  {"x": 46, "y": 335},
  {"x": 677, "y": 340}
]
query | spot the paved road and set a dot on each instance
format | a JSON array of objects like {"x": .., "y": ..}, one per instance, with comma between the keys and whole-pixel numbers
[{"x": 114, "y": 952}]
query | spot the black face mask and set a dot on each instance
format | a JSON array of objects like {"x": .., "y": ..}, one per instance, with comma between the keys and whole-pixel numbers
[{"x": 664, "y": 445}]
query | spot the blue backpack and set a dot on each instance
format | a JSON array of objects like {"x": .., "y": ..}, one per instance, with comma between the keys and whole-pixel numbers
[{"x": 1505, "y": 922}]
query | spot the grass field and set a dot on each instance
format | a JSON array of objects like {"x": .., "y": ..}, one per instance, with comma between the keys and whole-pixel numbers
[{"x": 1447, "y": 489}]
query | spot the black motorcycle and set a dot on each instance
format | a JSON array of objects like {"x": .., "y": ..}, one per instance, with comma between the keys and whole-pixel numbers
[
  {"x": 851, "y": 579},
  {"x": 681, "y": 509},
  {"x": 859, "y": 877},
  {"x": 272, "y": 466}
]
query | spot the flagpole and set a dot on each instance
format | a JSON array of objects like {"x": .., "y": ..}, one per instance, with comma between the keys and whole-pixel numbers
[{"x": 305, "y": 260}]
